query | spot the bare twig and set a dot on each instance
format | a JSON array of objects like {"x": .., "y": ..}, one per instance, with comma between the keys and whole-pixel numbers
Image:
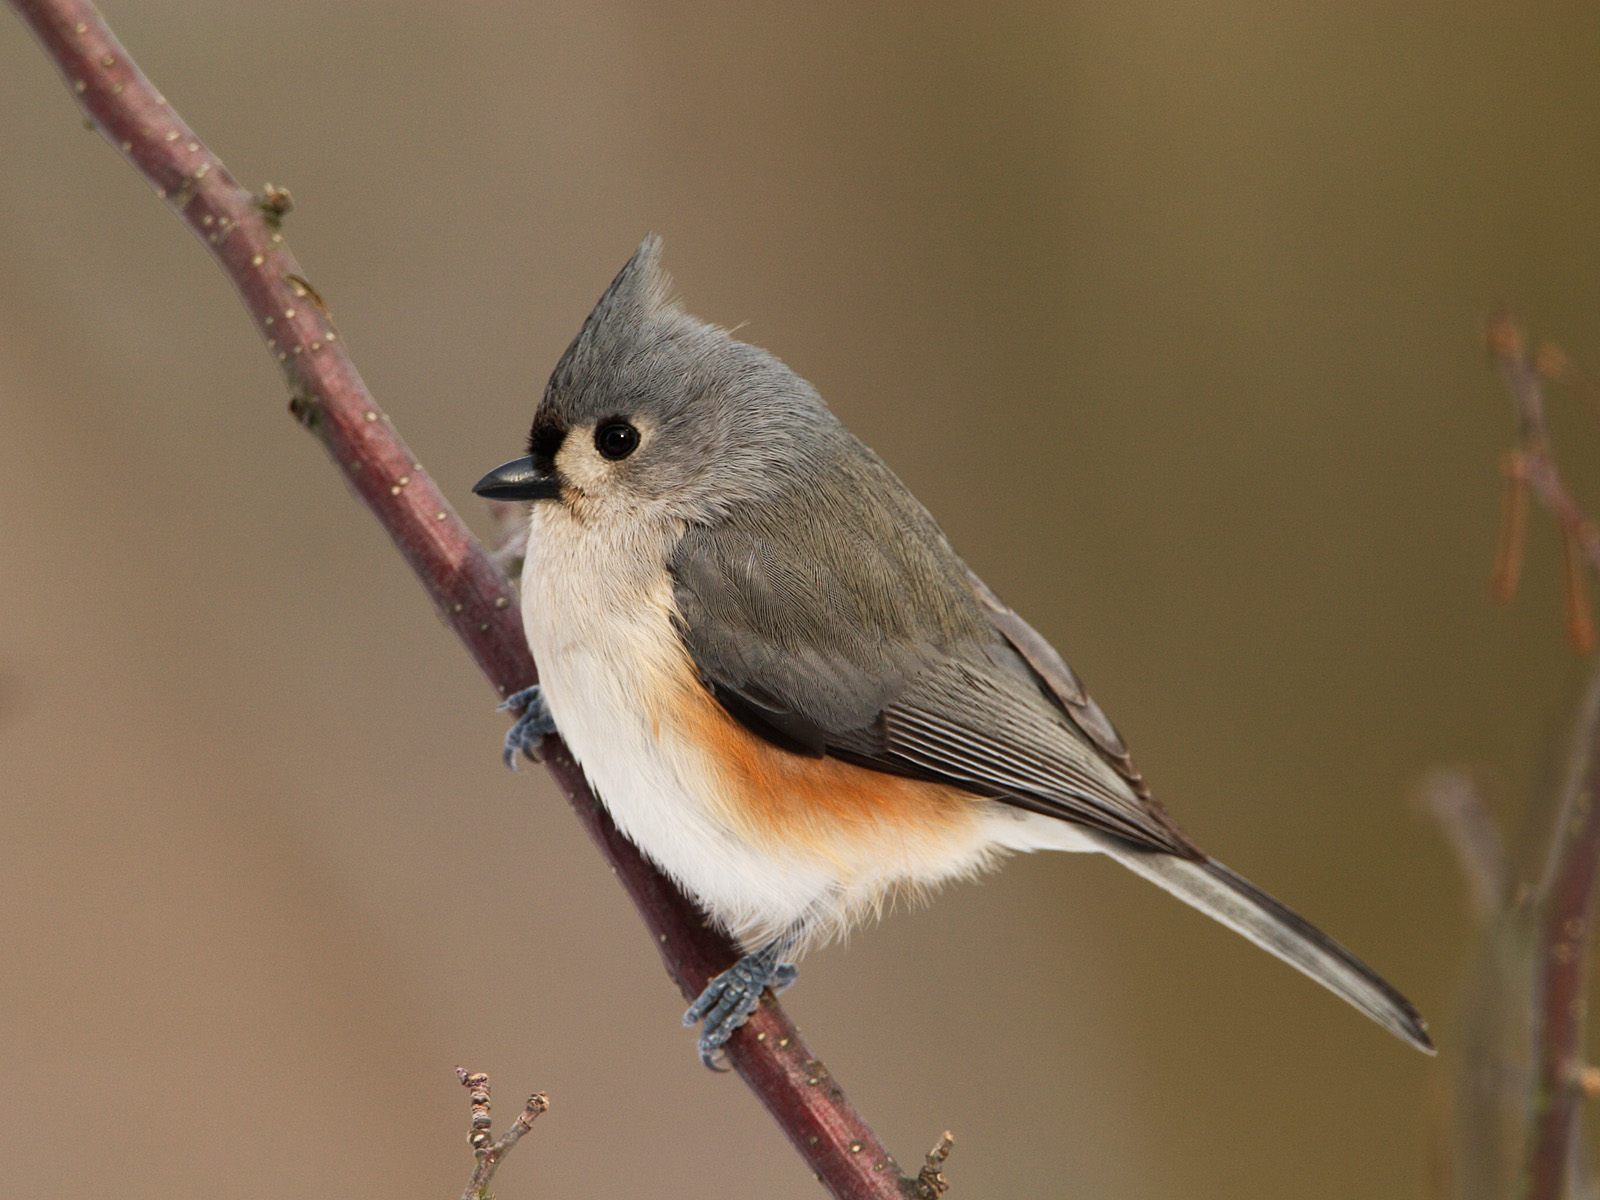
[
  {"x": 1518, "y": 1068},
  {"x": 488, "y": 1150},
  {"x": 1532, "y": 466},
  {"x": 1564, "y": 899},
  {"x": 1522, "y": 1069},
  {"x": 1565, "y": 907},
  {"x": 1484, "y": 1143},
  {"x": 1452, "y": 799},
  {"x": 467, "y": 588},
  {"x": 931, "y": 1183}
]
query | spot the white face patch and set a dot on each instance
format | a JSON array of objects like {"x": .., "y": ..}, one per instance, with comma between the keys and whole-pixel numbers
[{"x": 588, "y": 471}]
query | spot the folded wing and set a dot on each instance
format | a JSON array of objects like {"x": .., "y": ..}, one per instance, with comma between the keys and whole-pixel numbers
[{"x": 884, "y": 651}]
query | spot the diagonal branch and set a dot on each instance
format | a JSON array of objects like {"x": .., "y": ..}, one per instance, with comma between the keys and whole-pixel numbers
[
  {"x": 469, "y": 591},
  {"x": 1522, "y": 1074},
  {"x": 1564, "y": 908}
]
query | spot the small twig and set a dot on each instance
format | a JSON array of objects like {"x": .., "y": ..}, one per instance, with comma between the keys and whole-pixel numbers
[
  {"x": 1483, "y": 1133},
  {"x": 1452, "y": 798},
  {"x": 1520, "y": 370},
  {"x": 275, "y": 204},
  {"x": 489, "y": 1151},
  {"x": 930, "y": 1182},
  {"x": 1565, "y": 905},
  {"x": 1531, "y": 466},
  {"x": 1521, "y": 1071},
  {"x": 1512, "y": 542}
]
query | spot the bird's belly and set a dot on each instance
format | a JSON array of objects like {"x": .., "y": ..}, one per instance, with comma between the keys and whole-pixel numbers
[
  {"x": 765, "y": 840},
  {"x": 657, "y": 789},
  {"x": 607, "y": 656}
]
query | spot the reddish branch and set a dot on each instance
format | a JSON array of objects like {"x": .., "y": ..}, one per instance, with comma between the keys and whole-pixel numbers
[
  {"x": 1565, "y": 915},
  {"x": 1563, "y": 899},
  {"x": 1532, "y": 466},
  {"x": 469, "y": 591}
]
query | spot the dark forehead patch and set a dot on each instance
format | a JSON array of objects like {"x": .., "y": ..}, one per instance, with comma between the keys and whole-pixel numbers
[{"x": 546, "y": 436}]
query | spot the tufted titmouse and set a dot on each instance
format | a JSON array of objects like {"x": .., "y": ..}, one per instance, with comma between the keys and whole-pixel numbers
[{"x": 783, "y": 683}]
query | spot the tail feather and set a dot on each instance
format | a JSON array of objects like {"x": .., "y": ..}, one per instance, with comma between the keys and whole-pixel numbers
[{"x": 1237, "y": 903}]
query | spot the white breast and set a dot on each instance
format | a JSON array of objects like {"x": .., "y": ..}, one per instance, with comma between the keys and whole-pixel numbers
[{"x": 597, "y": 607}]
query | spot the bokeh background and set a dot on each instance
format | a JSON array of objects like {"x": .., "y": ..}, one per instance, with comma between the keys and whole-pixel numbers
[{"x": 1169, "y": 312}]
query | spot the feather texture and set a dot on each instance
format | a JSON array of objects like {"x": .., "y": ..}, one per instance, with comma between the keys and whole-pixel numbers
[
  {"x": 783, "y": 682},
  {"x": 833, "y": 622}
]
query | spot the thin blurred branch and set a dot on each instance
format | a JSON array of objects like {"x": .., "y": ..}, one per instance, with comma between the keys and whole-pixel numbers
[
  {"x": 1531, "y": 465},
  {"x": 1521, "y": 1066},
  {"x": 469, "y": 590},
  {"x": 1564, "y": 905},
  {"x": 1562, "y": 902},
  {"x": 1453, "y": 800},
  {"x": 488, "y": 1150},
  {"x": 1519, "y": 1061},
  {"x": 1483, "y": 1144}
]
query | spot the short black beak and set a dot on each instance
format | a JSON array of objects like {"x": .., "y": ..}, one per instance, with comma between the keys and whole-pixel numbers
[{"x": 521, "y": 479}]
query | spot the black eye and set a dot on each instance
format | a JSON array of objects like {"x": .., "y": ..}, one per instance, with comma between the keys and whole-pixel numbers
[{"x": 616, "y": 439}]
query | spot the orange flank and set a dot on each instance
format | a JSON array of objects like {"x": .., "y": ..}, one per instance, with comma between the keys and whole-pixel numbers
[{"x": 860, "y": 820}]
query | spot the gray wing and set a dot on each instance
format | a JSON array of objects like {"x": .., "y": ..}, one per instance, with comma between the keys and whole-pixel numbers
[{"x": 875, "y": 645}]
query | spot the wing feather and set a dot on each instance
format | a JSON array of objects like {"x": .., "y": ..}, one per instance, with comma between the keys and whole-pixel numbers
[{"x": 882, "y": 649}]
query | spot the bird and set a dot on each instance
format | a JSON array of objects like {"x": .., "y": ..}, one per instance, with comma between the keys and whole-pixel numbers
[{"x": 783, "y": 683}]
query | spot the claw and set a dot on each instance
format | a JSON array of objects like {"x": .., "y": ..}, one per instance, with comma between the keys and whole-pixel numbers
[
  {"x": 533, "y": 724},
  {"x": 731, "y": 997}
]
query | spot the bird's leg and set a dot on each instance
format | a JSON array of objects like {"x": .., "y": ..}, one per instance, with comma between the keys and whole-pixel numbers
[
  {"x": 533, "y": 724},
  {"x": 731, "y": 997}
]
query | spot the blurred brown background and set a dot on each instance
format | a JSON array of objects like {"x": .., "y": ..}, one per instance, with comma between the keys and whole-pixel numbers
[{"x": 1168, "y": 312}]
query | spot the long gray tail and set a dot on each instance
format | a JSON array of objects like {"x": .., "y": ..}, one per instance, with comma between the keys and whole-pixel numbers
[{"x": 1246, "y": 909}]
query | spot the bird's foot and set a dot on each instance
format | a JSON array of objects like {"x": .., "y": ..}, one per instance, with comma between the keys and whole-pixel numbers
[
  {"x": 533, "y": 724},
  {"x": 731, "y": 997}
]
